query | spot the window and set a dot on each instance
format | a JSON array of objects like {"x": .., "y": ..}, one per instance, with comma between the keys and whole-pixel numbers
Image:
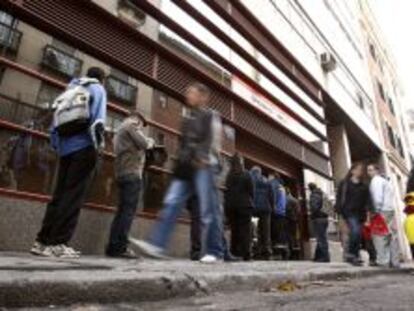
[
  {"x": 163, "y": 99},
  {"x": 47, "y": 94},
  {"x": 61, "y": 61},
  {"x": 160, "y": 139},
  {"x": 119, "y": 89},
  {"x": 381, "y": 90},
  {"x": 9, "y": 37},
  {"x": 391, "y": 105},
  {"x": 400, "y": 147},
  {"x": 130, "y": 13},
  {"x": 372, "y": 51},
  {"x": 361, "y": 103},
  {"x": 391, "y": 136}
]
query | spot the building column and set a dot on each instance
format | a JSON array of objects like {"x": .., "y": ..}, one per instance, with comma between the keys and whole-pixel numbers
[{"x": 339, "y": 150}]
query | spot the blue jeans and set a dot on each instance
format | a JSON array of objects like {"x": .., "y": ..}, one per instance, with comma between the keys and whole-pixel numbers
[
  {"x": 355, "y": 227},
  {"x": 320, "y": 226},
  {"x": 203, "y": 186},
  {"x": 128, "y": 189}
]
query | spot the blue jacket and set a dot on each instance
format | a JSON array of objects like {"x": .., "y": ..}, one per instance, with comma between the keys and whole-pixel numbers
[
  {"x": 67, "y": 145},
  {"x": 263, "y": 194},
  {"x": 279, "y": 195}
]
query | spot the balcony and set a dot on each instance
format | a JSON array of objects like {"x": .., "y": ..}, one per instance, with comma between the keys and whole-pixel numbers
[
  {"x": 61, "y": 62},
  {"x": 9, "y": 39},
  {"x": 121, "y": 91}
]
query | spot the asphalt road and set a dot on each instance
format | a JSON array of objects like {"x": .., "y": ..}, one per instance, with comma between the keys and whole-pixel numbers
[{"x": 387, "y": 293}]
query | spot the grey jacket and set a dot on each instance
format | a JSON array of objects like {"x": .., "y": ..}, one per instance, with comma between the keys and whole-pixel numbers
[
  {"x": 130, "y": 145},
  {"x": 201, "y": 139}
]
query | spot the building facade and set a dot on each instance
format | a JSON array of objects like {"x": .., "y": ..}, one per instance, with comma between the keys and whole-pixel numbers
[{"x": 296, "y": 99}]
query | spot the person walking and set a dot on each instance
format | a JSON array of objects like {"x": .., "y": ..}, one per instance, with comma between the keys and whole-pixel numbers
[
  {"x": 383, "y": 200},
  {"x": 278, "y": 218},
  {"x": 130, "y": 145},
  {"x": 77, "y": 135},
  {"x": 239, "y": 196},
  {"x": 194, "y": 174},
  {"x": 262, "y": 209},
  {"x": 320, "y": 223},
  {"x": 352, "y": 203}
]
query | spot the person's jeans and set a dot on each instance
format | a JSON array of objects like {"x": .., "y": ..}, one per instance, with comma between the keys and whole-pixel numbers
[
  {"x": 129, "y": 188},
  {"x": 179, "y": 191},
  {"x": 354, "y": 244},
  {"x": 75, "y": 172},
  {"x": 320, "y": 226}
]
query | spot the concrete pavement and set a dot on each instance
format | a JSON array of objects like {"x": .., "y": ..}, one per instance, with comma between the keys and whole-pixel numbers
[{"x": 32, "y": 281}]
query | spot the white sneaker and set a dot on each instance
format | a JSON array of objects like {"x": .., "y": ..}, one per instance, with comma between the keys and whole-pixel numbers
[
  {"x": 39, "y": 249},
  {"x": 63, "y": 251},
  {"x": 148, "y": 249},
  {"x": 210, "y": 259}
]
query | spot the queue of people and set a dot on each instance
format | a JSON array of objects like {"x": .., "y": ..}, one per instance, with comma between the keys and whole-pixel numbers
[{"x": 77, "y": 136}]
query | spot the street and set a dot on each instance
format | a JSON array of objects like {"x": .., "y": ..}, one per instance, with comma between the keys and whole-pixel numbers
[{"x": 385, "y": 292}]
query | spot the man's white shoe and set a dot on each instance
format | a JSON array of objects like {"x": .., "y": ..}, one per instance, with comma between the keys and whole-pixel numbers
[
  {"x": 39, "y": 249},
  {"x": 148, "y": 249},
  {"x": 210, "y": 259},
  {"x": 63, "y": 251}
]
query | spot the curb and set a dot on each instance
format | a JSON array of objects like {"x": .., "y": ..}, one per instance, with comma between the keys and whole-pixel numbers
[{"x": 48, "y": 292}]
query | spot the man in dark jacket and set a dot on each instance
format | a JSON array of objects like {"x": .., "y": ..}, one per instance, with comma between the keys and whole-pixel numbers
[
  {"x": 292, "y": 224},
  {"x": 320, "y": 223},
  {"x": 130, "y": 145},
  {"x": 263, "y": 207},
  {"x": 238, "y": 207},
  {"x": 194, "y": 174}
]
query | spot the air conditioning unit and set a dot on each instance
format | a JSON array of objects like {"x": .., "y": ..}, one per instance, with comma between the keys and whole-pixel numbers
[{"x": 328, "y": 62}]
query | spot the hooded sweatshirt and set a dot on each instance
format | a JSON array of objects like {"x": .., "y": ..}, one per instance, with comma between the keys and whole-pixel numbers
[
  {"x": 67, "y": 145},
  {"x": 382, "y": 194},
  {"x": 263, "y": 194}
]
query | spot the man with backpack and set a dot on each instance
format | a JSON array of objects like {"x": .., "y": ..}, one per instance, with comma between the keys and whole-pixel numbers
[
  {"x": 194, "y": 174},
  {"x": 76, "y": 135},
  {"x": 320, "y": 223},
  {"x": 130, "y": 146}
]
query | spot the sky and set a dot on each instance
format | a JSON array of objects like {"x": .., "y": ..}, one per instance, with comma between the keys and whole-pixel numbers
[{"x": 396, "y": 20}]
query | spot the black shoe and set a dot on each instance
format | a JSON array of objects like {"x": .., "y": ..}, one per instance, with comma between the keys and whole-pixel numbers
[{"x": 128, "y": 254}]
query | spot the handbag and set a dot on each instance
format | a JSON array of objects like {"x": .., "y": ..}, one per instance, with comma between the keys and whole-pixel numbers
[{"x": 379, "y": 226}]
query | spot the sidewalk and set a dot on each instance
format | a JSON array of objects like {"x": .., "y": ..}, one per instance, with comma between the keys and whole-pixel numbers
[{"x": 32, "y": 281}]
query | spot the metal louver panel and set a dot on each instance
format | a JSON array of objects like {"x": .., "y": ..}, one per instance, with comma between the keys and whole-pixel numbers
[{"x": 90, "y": 28}]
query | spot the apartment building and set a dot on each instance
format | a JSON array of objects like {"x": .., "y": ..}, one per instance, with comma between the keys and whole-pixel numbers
[
  {"x": 289, "y": 78},
  {"x": 391, "y": 116}
]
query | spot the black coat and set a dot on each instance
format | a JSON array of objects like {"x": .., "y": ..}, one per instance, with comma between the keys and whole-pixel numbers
[
  {"x": 353, "y": 200},
  {"x": 239, "y": 194},
  {"x": 316, "y": 204}
]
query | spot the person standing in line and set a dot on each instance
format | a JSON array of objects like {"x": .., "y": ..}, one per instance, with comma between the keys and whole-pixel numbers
[
  {"x": 77, "y": 143},
  {"x": 383, "y": 200},
  {"x": 194, "y": 174},
  {"x": 292, "y": 220},
  {"x": 239, "y": 196},
  {"x": 278, "y": 218},
  {"x": 130, "y": 145},
  {"x": 263, "y": 207},
  {"x": 352, "y": 203},
  {"x": 320, "y": 223}
]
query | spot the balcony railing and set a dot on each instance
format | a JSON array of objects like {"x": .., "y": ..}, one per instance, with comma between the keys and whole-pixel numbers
[
  {"x": 61, "y": 62},
  {"x": 121, "y": 91},
  {"x": 9, "y": 38}
]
